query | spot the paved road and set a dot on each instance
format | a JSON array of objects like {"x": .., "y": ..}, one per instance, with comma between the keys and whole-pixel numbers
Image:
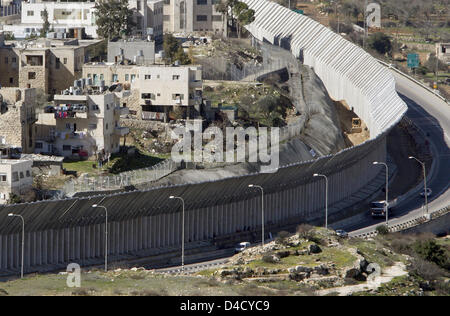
[{"x": 432, "y": 115}]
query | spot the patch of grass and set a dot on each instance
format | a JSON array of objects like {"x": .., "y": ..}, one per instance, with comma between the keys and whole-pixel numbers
[
  {"x": 81, "y": 167},
  {"x": 339, "y": 257}
]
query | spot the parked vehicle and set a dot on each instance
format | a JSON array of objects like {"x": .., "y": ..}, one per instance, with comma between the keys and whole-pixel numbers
[
  {"x": 341, "y": 233},
  {"x": 242, "y": 246}
]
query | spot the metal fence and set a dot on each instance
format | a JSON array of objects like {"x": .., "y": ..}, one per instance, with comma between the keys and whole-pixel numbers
[
  {"x": 222, "y": 69},
  {"x": 122, "y": 180}
]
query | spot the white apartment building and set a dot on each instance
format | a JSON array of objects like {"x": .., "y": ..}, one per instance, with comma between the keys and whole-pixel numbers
[
  {"x": 160, "y": 89},
  {"x": 83, "y": 125},
  {"x": 76, "y": 18},
  {"x": 64, "y": 17},
  {"x": 193, "y": 16},
  {"x": 163, "y": 89},
  {"x": 15, "y": 178}
]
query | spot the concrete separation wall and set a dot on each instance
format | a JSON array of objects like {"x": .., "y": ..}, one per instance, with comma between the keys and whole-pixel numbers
[{"x": 146, "y": 221}]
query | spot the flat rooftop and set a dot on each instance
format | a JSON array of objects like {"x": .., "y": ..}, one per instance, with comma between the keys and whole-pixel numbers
[{"x": 43, "y": 43}]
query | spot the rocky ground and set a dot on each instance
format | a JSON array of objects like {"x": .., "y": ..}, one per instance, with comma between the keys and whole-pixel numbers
[{"x": 314, "y": 261}]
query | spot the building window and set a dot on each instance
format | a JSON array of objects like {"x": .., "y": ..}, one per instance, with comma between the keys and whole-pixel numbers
[
  {"x": 148, "y": 77},
  {"x": 202, "y": 2},
  {"x": 176, "y": 77},
  {"x": 14, "y": 60},
  {"x": 127, "y": 77},
  {"x": 148, "y": 96},
  {"x": 67, "y": 148},
  {"x": 39, "y": 145},
  {"x": 30, "y": 13},
  {"x": 21, "y": 175},
  {"x": 6, "y": 60},
  {"x": 11, "y": 80},
  {"x": 3, "y": 178},
  {"x": 202, "y": 18},
  {"x": 31, "y": 75},
  {"x": 57, "y": 63},
  {"x": 28, "y": 173},
  {"x": 15, "y": 176},
  {"x": 65, "y": 61}
]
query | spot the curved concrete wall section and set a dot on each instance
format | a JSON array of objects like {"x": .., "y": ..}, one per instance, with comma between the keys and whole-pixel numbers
[
  {"x": 142, "y": 222},
  {"x": 348, "y": 72},
  {"x": 60, "y": 232}
]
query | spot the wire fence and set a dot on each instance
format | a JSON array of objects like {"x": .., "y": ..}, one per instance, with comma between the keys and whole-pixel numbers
[
  {"x": 221, "y": 69},
  {"x": 122, "y": 180}
]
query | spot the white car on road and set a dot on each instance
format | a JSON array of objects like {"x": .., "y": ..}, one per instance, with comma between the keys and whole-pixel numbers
[{"x": 429, "y": 192}]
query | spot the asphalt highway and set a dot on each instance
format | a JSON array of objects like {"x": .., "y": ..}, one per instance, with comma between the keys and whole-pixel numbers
[{"x": 432, "y": 115}]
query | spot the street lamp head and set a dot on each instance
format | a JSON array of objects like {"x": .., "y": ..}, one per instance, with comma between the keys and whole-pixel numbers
[
  {"x": 315, "y": 175},
  {"x": 95, "y": 205},
  {"x": 251, "y": 185},
  {"x": 410, "y": 157},
  {"x": 171, "y": 197},
  {"x": 10, "y": 214},
  {"x": 376, "y": 163}
]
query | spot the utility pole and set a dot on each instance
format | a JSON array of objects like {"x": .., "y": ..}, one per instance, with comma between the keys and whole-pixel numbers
[{"x": 365, "y": 24}]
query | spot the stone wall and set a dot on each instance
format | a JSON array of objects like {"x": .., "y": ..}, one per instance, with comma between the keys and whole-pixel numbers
[{"x": 17, "y": 123}]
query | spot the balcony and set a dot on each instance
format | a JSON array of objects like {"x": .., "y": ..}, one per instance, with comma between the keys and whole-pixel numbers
[
  {"x": 121, "y": 131},
  {"x": 121, "y": 110}
]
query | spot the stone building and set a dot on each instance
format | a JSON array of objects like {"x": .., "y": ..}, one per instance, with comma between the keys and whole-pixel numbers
[
  {"x": 136, "y": 51},
  {"x": 82, "y": 124},
  {"x": 155, "y": 19},
  {"x": 17, "y": 118},
  {"x": 193, "y": 16},
  {"x": 156, "y": 90},
  {"x": 50, "y": 65},
  {"x": 15, "y": 178},
  {"x": 443, "y": 52}
]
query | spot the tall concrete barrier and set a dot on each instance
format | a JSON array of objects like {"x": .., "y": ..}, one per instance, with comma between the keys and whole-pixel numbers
[{"x": 146, "y": 222}]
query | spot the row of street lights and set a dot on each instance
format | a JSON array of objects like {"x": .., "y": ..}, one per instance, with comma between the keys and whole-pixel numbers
[{"x": 262, "y": 212}]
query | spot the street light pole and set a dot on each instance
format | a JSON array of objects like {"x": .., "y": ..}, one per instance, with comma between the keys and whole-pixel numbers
[
  {"x": 106, "y": 234},
  {"x": 365, "y": 25},
  {"x": 424, "y": 181},
  {"x": 326, "y": 196},
  {"x": 262, "y": 208},
  {"x": 23, "y": 239},
  {"x": 182, "y": 231},
  {"x": 387, "y": 189}
]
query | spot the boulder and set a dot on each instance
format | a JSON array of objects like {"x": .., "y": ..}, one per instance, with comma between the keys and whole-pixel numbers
[
  {"x": 355, "y": 274},
  {"x": 299, "y": 276},
  {"x": 323, "y": 269},
  {"x": 301, "y": 269},
  {"x": 314, "y": 249}
]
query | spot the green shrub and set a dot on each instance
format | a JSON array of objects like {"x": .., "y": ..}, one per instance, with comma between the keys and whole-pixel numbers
[
  {"x": 430, "y": 251},
  {"x": 304, "y": 230},
  {"x": 282, "y": 237},
  {"x": 269, "y": 258},
  {"x": 382, "y": 230}
]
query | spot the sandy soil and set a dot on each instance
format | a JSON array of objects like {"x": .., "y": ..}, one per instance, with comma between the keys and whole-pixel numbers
[
  {"x": 374, "y": 283},
  {"x": 345, "y": 118}
]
